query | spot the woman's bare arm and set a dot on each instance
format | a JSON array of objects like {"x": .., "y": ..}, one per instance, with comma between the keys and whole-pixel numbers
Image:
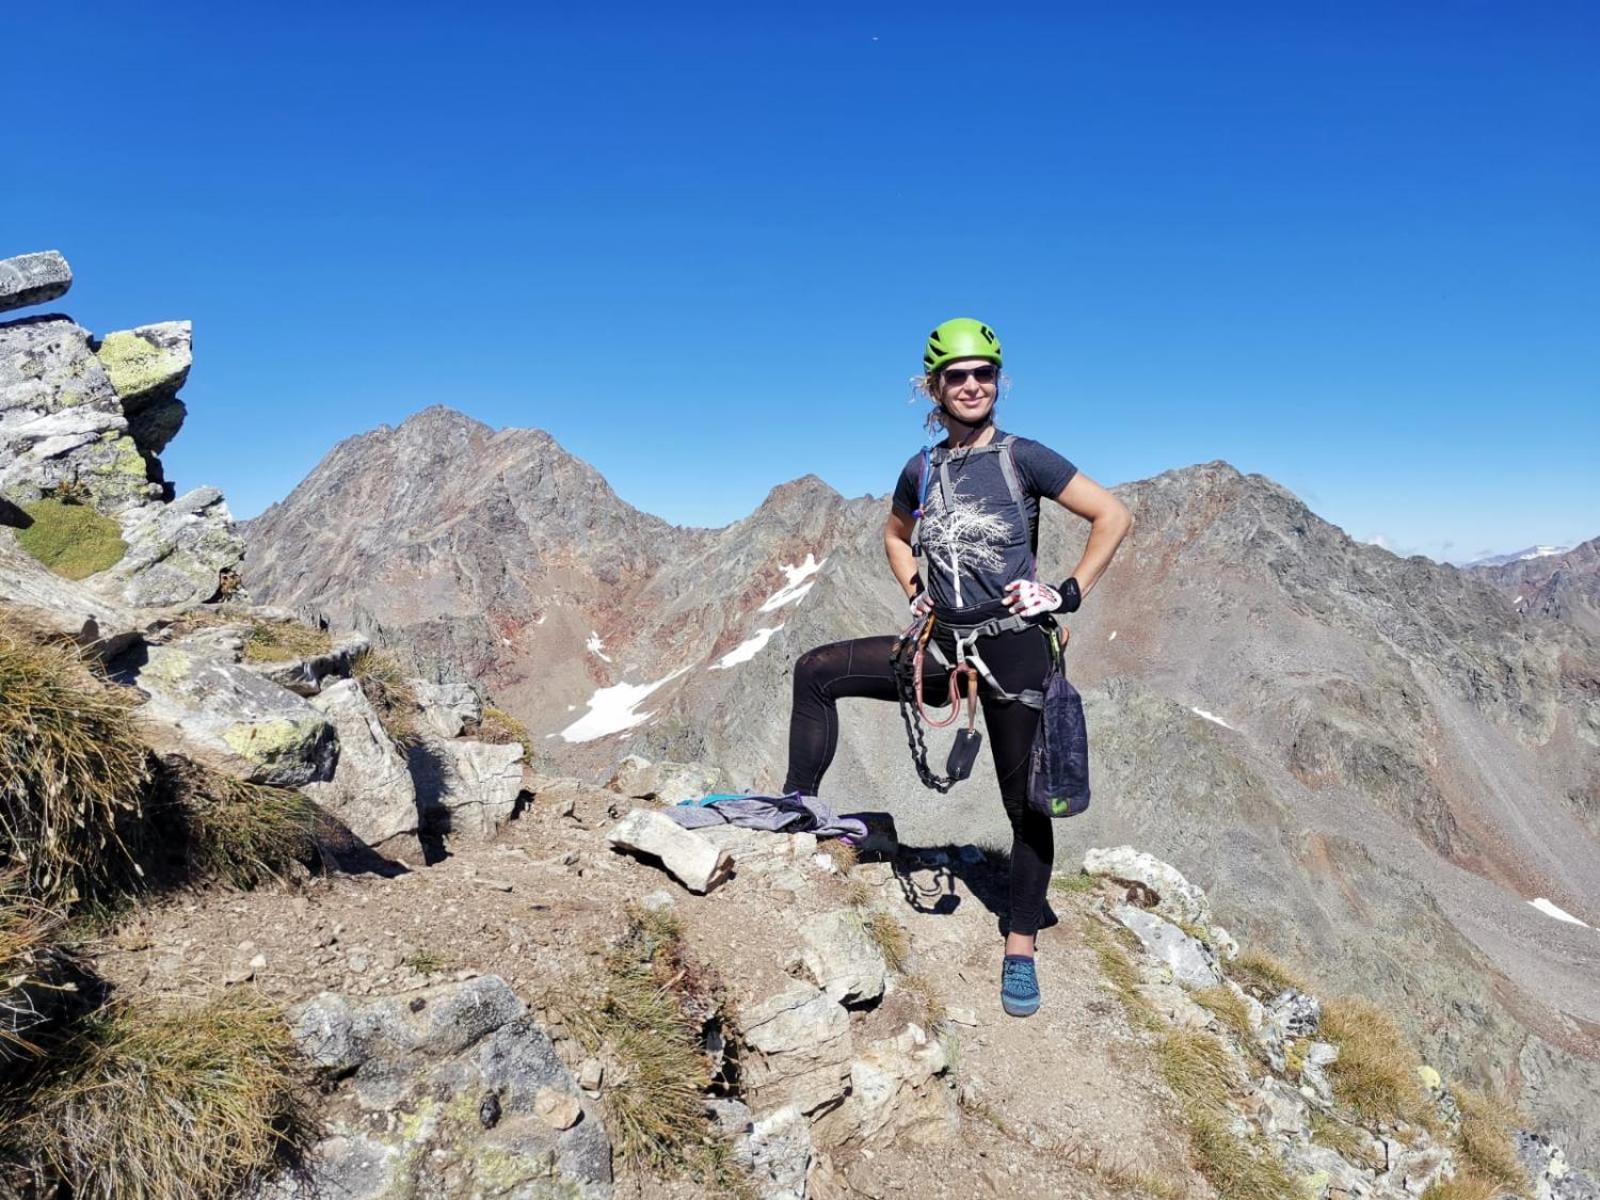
[
  {"x": 897, "y": 544},
  {"x": 1109, "y": 520}
]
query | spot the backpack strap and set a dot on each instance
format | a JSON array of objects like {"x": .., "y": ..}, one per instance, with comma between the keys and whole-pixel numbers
[{"x": 1008, "y": 468}]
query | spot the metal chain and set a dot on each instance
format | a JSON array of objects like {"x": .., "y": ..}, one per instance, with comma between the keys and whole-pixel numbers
[{"x": 903, "y": 659}]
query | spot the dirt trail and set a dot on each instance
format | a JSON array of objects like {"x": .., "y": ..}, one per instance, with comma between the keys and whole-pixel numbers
[{"x": 1053, "y": 1105}]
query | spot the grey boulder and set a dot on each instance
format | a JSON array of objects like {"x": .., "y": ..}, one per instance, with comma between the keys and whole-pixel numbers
[
  {"x": 664, "y": 782},
  {"x": 445, "y": 1091},
  {"x": 218, "y": 712},
  {"x": 371, "y": 790},
  {"x": 176, "y": 553},
  {"x": 34, "y": 278},
  {"x": 448, "y": 708},
  {"x": 842, "y": 959},
  {"x": 466, "y": 788},
  {"x": 1190, "y": 962},
  {"x": 798, "y": 1049},
  {"x": 693, "y": 861}
]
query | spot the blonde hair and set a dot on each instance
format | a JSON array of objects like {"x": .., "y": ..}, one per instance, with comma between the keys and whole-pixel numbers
[{"x": 926, "y": 387}]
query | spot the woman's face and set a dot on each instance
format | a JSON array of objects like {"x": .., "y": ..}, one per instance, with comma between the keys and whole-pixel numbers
[{"x": 966, "y": 397}]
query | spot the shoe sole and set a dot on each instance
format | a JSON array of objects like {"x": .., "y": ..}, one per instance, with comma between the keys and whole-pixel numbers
[{"x": 1019, "y": 1009}]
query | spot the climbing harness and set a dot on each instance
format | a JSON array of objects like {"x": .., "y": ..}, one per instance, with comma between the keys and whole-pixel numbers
[{"x": 908, "y": 655}]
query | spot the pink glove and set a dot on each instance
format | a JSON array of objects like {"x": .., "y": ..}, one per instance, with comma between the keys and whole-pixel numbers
[{"x": 1029, "y": 598}]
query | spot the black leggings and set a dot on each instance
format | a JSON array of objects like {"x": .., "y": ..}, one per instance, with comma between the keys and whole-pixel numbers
[{"x": 861, "y": 667}]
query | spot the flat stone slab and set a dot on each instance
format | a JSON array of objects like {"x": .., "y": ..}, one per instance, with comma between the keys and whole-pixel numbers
[{"x": 33, "y": 279}]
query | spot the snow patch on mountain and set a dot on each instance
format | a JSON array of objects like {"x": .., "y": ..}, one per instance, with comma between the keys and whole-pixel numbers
[
  {"x": 594, "y": 645},
  {"x": 1212, "y": 717},
  {"x": 745, "y": 650},
  {"x": 800, "y": 582},
  {"x": 1560, "y": 914},
  {"x": 611, "y": 709}
]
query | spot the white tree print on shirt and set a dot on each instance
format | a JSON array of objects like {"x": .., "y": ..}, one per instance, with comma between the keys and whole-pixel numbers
[{"x": 963, "y": 533}]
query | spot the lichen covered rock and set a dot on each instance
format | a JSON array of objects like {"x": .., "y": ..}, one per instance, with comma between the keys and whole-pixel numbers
[
  {"x": 222, "y": 713},
  {"x": 446, "y": 1091}
]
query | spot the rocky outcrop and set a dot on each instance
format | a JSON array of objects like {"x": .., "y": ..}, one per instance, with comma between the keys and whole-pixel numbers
[
  {"x": 465, "y": 787},
  {"x": 82, "y": 422},
  {"x": 101, "y": 627},
  {"x": 305, "y": 676},
  {"x": 371, "y": 791},
  {"x": 799, "y": 1049},
  {"x": 219, "y": 712},
  {"x": 177, "y": 553},
  {"x": 146, "y": 367},
  {"x": 1282, "y": 1100},
  {"x": 896, "y": 1096},
  {"x": 841, "y": 959},
  {"x": 448, "y": 708},
  {"x": 453, "y": 1091}
]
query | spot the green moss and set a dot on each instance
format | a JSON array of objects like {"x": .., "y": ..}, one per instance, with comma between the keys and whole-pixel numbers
[
  {"x": 171, "y": 667},
  {"x": 126, "y": 461},
  {"x": 73, "y": 540},
  {"x": 268, "y": 741},
  {"x": 285, "y": 641},
  {"x": 501, "y": 1171},
  {"x": 1076, "y": 883},
  {"x": 134, "y": 365}
]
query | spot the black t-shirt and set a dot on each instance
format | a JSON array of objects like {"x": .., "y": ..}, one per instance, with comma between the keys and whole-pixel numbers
[{"x": 964, "y": 585}]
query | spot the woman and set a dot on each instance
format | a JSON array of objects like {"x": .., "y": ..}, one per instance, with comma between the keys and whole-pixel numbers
[{"x": 974, "y": 502}]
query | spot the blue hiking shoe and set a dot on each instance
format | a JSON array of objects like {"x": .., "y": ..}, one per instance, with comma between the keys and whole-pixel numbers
[{"x": 1019, "y": 986}]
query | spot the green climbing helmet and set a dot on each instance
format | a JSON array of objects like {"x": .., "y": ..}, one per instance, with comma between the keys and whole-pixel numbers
[{"x": 960, "y": 337}]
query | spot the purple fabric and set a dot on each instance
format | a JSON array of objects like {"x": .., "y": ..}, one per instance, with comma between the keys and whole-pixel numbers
[{"x": 793, "y": 813}]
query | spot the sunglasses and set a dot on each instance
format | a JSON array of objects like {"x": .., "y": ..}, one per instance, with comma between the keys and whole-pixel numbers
[{"x": 955, "y": 377}]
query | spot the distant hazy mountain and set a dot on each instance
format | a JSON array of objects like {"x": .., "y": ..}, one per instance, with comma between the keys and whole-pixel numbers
[
  {"x": 1373, "y": 764},
  {"x": 1500, "y": 560},
  {"x": 1562, "y": 586}
]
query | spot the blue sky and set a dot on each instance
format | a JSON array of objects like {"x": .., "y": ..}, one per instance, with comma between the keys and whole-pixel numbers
[{"x": 1355, "y": 248}]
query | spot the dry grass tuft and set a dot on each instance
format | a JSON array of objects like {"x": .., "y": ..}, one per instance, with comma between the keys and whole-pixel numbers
[
  {"x": 1236, "y": 1168},
  {"x": 1264, "y": 975},
  {"x": 427, "y": 962},
  {"x": 1118, "y": 971},
  {"x": 165, "y": 1103},
  {"x": 72, "y": 773},
  {"x": 1484, "y": 1140},
  {"x": 1463, "y": 1187},
  {"x": 844, "y": 855},
  {"x": 889, "y": 936},
  {"x": 502, "y": 728},
  {"x": 1197, "y": 1067},
  {"x": 1077, "y": 883},
  {"x": 930, "y": 1004},
  {"x": 284, "y": 641},
  {"x": 1337, "y": 1135},
  {"x": 1201, "y": 1073},
  {"x": 645, "y": 1014},
  {"x": 1376, "y": 1073},
  {"x": 388, "y": 689},
  {"x": 858, "y": 893},
  {"x": 245, "y": 833},
  {"x": 28, "y": 971},
  {"x": 1224, "y": 1004}
]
